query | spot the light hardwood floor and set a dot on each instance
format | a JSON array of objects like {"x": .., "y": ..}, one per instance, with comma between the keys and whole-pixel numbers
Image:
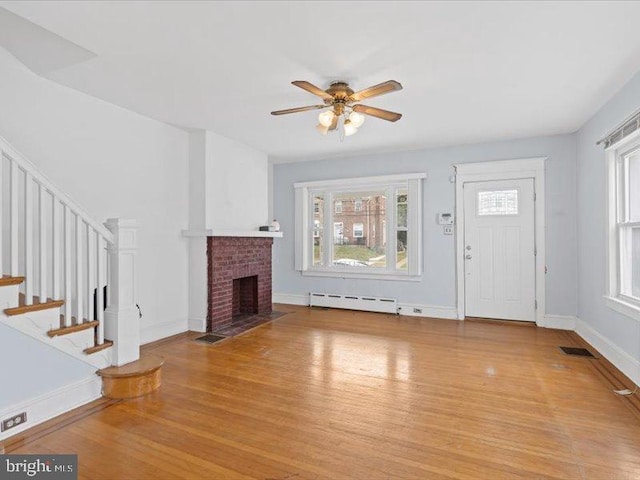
[{"x": 330, "y": 394}]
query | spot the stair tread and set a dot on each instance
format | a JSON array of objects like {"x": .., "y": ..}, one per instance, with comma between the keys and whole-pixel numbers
[
  {"x": 97, "y": 348},
  {"x": 22, "y": 308},
  {"x": 9, "y": 280},
  {"x": 73, "y": 328}
]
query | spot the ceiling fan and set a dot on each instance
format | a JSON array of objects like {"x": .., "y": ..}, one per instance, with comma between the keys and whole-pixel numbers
[{"x": 343, "y": 104}]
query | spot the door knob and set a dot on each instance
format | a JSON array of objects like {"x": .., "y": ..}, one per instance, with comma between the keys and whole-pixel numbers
[{"x": 467, "y": 256}]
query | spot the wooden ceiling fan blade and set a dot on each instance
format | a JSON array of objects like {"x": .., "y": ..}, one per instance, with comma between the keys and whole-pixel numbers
[
  {"x": 299, "y": 109},
  {"x": 380, "y": 89},
  {"x": 311, "y": 88},
  {"x": 378, "y": 113}
]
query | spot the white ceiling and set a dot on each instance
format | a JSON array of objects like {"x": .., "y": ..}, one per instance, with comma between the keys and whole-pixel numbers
[{"x": 471, "y": 71}]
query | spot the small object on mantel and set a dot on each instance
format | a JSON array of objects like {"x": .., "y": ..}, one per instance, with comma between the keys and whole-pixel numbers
[
  {"x": 132, "y": 380},
  {"x": 265, "y": 228},
  {"x": 275, "y": 226}
]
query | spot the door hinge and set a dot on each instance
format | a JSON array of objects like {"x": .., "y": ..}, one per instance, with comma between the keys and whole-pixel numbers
[
  {"x": 534, "y": 196},
  {"x": 536, "y": 303},
  {"x": 535, "y": 251}
]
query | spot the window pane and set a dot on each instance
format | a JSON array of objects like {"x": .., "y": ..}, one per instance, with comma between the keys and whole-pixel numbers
[
  {"x": 633, "y": 187},
  {"x": 318, "y": 219},
  {"x": 401, "y": 204},
  {"x": 401, "y": 247},
  {"x": 635, "y": 263},
  {"x": 498, "y": 202},
  {"x": 358, "y": 230}
]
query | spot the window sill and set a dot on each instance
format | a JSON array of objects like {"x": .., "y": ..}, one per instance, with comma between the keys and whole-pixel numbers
[
  {"x": 625, "y": 308},
  {"x": 362, "y": 275}
]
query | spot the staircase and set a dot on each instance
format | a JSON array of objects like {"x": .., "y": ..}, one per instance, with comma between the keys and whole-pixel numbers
[{"x": 66, "y": 280}]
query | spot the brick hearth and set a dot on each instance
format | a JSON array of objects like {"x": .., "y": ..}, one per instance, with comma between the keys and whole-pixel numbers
[{"x": 234, "y": 258}]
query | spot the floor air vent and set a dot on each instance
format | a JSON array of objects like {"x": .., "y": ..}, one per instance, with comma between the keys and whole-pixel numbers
[
  {"x": 353, "y": 302},
  {"x": 210, "y": 338},
  {"x": 577, "y": 352}
]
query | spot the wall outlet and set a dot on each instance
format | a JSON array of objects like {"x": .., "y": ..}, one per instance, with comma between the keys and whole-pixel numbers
[
  {"x": 14, "y": 421},
  {"x": 417, "y": 310}
]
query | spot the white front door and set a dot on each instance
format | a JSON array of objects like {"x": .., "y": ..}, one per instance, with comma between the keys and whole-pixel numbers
[{"x": 499, "y": 249}]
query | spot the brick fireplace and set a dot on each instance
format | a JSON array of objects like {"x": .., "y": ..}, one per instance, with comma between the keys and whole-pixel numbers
[{"x": 239, "y": 278}]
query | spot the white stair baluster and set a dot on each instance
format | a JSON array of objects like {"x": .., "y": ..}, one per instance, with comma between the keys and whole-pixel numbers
[
  {"x": 43, "y": 244},
  {"x": 67, "y": 266},
  {"x": 57, "y": 230},
  {"x": 13, "y": 218},
  {"x": 100, "y": 253},
  {"x": 79, "y": 273},
  {"x": 28, "y": 239},
  {"x": 90, "y": 273}
]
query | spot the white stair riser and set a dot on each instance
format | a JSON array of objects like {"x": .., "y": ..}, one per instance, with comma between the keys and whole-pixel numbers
[
  {"x": 80, "y": 340},
  {"x": 9, "y": 296},
  {"x": 37, "y": 324},
  {"x": 43, "y": 320}
]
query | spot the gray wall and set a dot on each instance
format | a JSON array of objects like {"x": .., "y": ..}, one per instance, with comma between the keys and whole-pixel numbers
[
  {"x": 437, "y": 287},
  {"x": 31, "y": 368},
  {"x": 622, "y": 331}
]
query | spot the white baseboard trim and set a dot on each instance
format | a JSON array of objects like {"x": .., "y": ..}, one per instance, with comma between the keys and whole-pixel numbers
[
  {"x": 559, "y": 322},
  {"x": 198, "y": 324},
  {"x": 163, "y": 330},
  {"x": 432, "y": 311},
  {"x": 51, "y": 404},
  {"x": 290, "y": 299},
  {"x": 621, "y": 359}
]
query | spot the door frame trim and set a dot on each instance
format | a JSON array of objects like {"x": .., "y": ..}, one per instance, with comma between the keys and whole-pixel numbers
[{"x": 503, "y": 170}]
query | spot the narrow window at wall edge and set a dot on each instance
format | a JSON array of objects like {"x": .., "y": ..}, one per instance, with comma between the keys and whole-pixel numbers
[
  {"x": 624, "y": 226},
  {"x": 365, "y": 227}
]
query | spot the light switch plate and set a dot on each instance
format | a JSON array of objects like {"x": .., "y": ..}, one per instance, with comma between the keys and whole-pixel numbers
[{"x": 448, "y": 229}]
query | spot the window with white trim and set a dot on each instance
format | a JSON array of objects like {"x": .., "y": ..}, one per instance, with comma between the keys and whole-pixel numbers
[
  {"x": 379, "y": 238},
  {"x": 624, "y": 225}
]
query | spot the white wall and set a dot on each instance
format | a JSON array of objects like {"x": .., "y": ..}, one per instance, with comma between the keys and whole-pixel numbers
[
  {"x": 114, "y": 163},
  {"x": 437, "y": 287},
  {"x": 237, "y": 185},
  {"x": 614, "y": 334}
]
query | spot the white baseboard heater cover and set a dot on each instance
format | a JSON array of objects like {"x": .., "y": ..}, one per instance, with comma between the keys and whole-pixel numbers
[{"x": 353, "y": 302}]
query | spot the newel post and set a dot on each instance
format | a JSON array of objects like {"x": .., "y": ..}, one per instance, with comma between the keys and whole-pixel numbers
[{"x": 122, "y": 324}]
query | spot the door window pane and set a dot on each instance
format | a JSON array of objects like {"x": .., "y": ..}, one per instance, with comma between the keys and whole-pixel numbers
[{"x": 498, "y": 202}]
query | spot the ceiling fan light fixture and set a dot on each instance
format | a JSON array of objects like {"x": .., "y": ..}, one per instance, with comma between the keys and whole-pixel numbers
[
  {"x": 349, "y": 128},
  {"x": 356, "y": 119},
  {"x": 342, "y": 110},
  {"x": 326, "y": 118},
  {"x": 322, "y": 129}
]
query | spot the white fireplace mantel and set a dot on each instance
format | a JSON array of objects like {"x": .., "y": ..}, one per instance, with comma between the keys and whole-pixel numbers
[{"x": 229, "y": 233}]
